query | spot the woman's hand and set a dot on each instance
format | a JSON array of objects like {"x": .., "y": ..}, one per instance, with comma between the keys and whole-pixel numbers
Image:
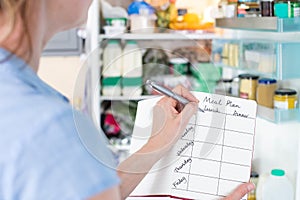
[
  {"x": 170, "y": 119},
  {"x": 240, "y": 191}
]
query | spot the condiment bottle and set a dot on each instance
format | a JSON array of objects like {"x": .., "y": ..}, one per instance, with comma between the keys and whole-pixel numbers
[
  {"x": 285, "y": 99},
  {"x": 253, "y": 179},
  {"x": 248, "y": 84},
  {"x": 265, "y": 92}
]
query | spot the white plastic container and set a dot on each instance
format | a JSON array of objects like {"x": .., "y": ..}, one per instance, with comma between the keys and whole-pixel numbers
[
  {"x": 132, "y": 60},
  {"x": 112, "y": 59},
  {"x": 277, "y": 187}
]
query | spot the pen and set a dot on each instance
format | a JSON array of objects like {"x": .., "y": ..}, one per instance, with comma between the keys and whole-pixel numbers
[{"x": 169, "y": 93}]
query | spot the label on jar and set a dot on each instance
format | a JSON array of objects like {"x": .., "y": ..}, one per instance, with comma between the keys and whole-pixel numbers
[
  {"x": 284, "y": 105},
  {"x": 281, "y": 104},
  {"x": 244, "y": 95}
]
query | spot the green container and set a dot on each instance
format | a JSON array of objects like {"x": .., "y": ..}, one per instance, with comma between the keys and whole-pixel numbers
[{"x": 179, "y": 66}]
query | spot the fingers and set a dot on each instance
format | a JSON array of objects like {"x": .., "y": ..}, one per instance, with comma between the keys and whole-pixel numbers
[
  {"x": 240, "y": 192},
  {"x": 189, "y": 110},
  {"x": 185, "y": 93}
]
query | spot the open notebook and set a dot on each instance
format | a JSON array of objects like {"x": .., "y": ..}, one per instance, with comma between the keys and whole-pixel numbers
[{"x": 213, "y": 155}]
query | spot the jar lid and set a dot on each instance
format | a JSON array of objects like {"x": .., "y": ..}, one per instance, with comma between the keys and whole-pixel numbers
[
  {"x": 284, "y": 91},
  {"x": 113, "y": 42},
  {"x": 267, "y": 81},
  {"x": 248, "y": 76},
  {"x": 137, "y": 81},
  {"x": 254, "y": 174},
  {"x": 179, "y": 61},
  {"x": 277, "y": 172},
  {"x": 226, "y": 80},
  {"x": 111, "y": 81}
]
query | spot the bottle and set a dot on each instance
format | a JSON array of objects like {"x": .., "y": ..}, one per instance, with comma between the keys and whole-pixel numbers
[
  {"x": 132, "y": 87},
  {"x": 111, "y": 86},
  {"x": 253, "y": 179},
  {"x": 132, "y": 60},
  {"x": 277, "y": 187},
  {"x": 112, "y": 61}
]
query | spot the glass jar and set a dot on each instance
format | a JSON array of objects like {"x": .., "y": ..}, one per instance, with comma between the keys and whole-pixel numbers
[
  {"x": 285, "y": 99},
  {"x": 267, "y": 8},
  {"x": 265, "y": 92},
  {"x": 248, "y": 84}
]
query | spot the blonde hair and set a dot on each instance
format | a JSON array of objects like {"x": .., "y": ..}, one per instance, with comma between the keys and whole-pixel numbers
[{"x": 14, "y": 10}]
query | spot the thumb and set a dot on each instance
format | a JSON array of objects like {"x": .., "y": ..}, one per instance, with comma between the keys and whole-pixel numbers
[
  {"x": 189, "y": 110},
  {"x": 240, "y": 191}
]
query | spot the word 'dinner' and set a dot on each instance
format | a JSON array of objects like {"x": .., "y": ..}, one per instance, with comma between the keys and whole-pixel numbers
[{"x": 213, "y": 155}]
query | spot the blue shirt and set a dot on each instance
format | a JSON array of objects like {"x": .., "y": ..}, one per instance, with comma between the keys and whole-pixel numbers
[{"x": 47, "y": 149}]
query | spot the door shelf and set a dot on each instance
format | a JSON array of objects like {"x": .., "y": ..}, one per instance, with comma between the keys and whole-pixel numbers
[
  {"x": 272, "y": 59},
  {"x": 277, "y": 115},
  {"x": 272, "y": 24}
]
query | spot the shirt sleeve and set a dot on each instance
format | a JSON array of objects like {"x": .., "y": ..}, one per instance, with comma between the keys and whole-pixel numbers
[{"x": 68, "y": 159}]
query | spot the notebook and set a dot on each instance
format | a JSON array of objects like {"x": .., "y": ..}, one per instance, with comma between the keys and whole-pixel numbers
[{"x": 213, "y": 155}]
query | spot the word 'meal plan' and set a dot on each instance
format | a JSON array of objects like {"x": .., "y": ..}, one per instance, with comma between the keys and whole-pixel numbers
[{"x": 220, "y": 102}]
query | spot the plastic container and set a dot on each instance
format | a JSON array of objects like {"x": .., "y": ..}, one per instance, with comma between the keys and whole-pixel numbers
[
  {"x": 265, "y": 92},
  {"x": 285, "y": 99},
  {"x": 114, "y": 30},
  {"x": 112, "y": 59},
  {"x": 281, "y": 9},
  {"x": 248, "y": 84},
  {"x": 116, "y": 22},
  {"x": 111, "y": 86},
  {"x": 277, "y": 187},
  {"x": 132, "y": 60},
  {"x": 142, "y": 17},
  {"x": 132, "y": 87}
]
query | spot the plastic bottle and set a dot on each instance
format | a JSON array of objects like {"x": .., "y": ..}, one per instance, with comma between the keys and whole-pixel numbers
[
  {"x": 112, "y": 59},
  {"x": 277, "y": 187},
  {"x": 132, "y": 60}
]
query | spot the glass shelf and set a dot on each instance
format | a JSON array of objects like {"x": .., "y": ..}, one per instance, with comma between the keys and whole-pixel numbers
[
  {"x": 277, "y": 115},
  {"x": 126, "y": 98},
  {"x": 272, "y": 24},
  {"x": 160, "y": 36}
]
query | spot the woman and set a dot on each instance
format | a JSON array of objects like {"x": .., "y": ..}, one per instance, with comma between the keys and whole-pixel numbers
[{"x": 41, "y": 155}]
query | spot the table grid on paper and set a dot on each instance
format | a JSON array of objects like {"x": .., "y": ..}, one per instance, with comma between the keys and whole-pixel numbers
[{"x": 214, "y": 154}]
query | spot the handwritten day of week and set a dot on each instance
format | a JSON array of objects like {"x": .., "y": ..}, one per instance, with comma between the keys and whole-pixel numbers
[{"x": 184, "y": 163}]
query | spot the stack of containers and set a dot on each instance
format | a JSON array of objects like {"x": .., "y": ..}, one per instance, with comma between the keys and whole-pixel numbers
[
  {"x": 132, "y": 69},
  {"x": 112, "y": 69}
]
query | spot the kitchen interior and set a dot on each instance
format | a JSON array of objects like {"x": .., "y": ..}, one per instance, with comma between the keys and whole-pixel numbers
[{"x": 241, "y": 48}]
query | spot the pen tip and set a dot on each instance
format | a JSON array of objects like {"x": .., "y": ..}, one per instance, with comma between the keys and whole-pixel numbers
[{"x": 148, "y": 82}]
